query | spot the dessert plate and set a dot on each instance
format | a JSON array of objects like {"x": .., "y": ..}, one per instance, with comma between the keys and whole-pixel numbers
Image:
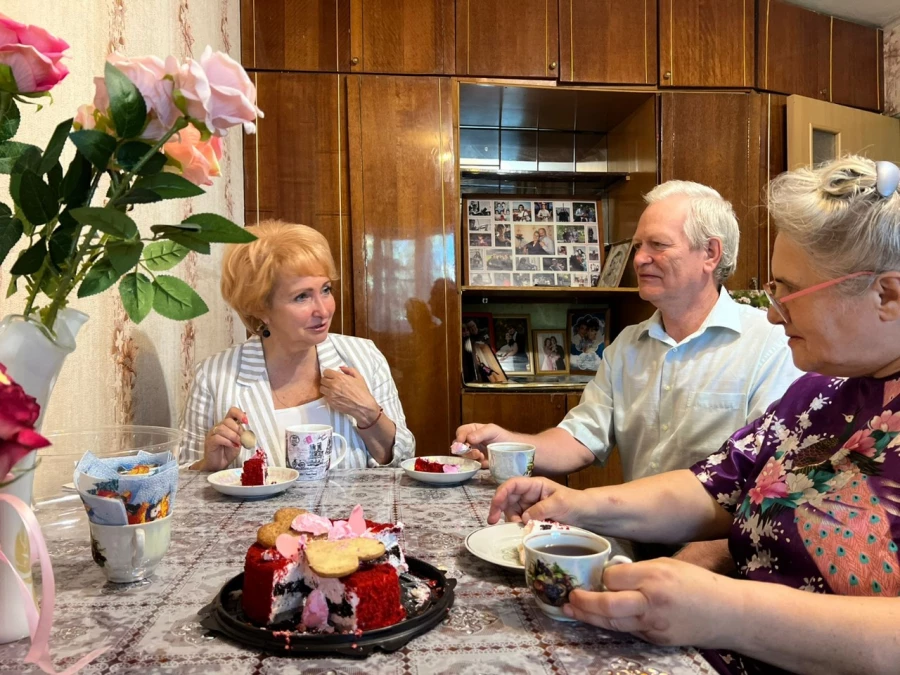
[
  {"x": 498, "y": 544},
  {"x": 228, "y": 482},
  {"x": 467, "y": 469}
]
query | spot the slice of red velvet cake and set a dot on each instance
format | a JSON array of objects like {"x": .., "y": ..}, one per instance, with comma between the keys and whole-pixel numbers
[
  {"x": 255, "y": 471},
  {"x": 295, "y": 568}
]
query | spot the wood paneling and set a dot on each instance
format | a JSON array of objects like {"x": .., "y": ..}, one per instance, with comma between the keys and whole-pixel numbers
[
  {"x": 794, "y": 49},
  {"x": 524, "y": 413},
  {"x": 404, "y": 198},
  {"x": 856, "y": 66},
  {"x": 632, "y": 148},
  {"x": 607, "y": 41},
  {"x": 398, "y": 36},
  {"x": 773, "y": 161},
  {"x": 295, "y": 166},
  {"x": 706, "y": 43},
  {"x": 500, "y": 38},
  {"x": 295, "y": 34}
]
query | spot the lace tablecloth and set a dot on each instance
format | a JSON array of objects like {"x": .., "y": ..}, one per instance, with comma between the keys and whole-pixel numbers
[{"x": 152, "y": 626}]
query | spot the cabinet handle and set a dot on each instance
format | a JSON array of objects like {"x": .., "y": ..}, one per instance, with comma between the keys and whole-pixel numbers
[
  {"x": 667, "y": 75},
  {"x": 823, "y": 92},
  {"x": 354, "y": 61},
  {"x": 553, "y": 65}
]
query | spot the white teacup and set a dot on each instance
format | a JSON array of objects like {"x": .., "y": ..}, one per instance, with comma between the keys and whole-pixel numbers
[
  {"x": 559, "y": 561},
  {"x": 309, "y": 450},
  {"x": 130, "y": 552},
  {"x": 509, "y": 460}
]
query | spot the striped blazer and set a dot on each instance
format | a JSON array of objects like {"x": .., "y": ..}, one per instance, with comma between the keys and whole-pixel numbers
[{"x": 238, "y": 377}]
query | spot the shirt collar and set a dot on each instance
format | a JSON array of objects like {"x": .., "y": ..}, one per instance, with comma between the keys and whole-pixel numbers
[
  {"x": 724, "y": 314},
  {"x": 253, "y": 360}
]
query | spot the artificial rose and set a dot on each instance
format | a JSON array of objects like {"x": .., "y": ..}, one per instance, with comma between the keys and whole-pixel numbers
[
  {"x": 18, "y": 413},
  {"x": 33, "y": 55},
  {"x": 197, "y": 159},
  {"x": 84, "y": 117}
]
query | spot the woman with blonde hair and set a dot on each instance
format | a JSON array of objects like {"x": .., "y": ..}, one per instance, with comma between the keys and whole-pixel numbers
[
  {"x": 808, "y": 494},
  {"x": 293, "y": 370}
]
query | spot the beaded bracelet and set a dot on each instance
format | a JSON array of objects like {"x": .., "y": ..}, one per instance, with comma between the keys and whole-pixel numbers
[{"x": 380, "y": 413}]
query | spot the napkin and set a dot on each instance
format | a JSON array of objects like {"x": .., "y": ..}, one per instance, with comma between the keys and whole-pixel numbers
[{"x": 128, "y": 490}]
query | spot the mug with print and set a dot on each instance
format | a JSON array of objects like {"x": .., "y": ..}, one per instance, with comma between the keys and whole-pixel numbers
[{"x": 309, "y": 450}]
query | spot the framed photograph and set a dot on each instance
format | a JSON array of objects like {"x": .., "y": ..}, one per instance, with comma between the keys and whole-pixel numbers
[
  {"x": 543, "y": 212},
  {"x": 588, "y": 335},
  {"x": 534, "y": 240},
  {"x": 550, "y": 352},
  {"x": 479, "y": 327},
  {"x": 616, "y": 260},
  {"x": 585, "y": 212},
  {"x": 487, "y": 367},
  {"x": 521, "y": 212},
  {"x": 512, "y": 337}
]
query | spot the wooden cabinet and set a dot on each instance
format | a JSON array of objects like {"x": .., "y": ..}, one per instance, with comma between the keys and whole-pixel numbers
[
  {"x": 706, "y": 43},
  {"x": 607, "y": 41},
  {"x": 857, "y": 65},
  {"x": 525, "y": 413},
  {"x": 404, "y": 197},
  {"x": 295, "y": 166},
  {"x": 501, "y": 38}
]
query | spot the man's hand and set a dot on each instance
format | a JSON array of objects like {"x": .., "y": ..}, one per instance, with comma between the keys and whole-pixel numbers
[{"x": 524, "y": 499}]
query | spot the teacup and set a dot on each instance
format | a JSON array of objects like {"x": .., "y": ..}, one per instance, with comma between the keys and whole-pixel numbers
[
  {"x": 130, "y": 553},
  {"x": 559, "y": 561},
  {"x": 509, "y": 460},
  {"x": 309, "y": 450}
]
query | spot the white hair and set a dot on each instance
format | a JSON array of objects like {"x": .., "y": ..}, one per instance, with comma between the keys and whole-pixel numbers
[
  {"x": 834, "y": 212},
  {"x": 709, "y": 217}
]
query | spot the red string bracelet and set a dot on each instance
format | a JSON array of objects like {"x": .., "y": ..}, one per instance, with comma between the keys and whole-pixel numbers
[{"x": 374, "y": 422}]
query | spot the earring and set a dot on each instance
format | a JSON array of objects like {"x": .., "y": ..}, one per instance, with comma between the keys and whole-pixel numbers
[{"x": 264, "y": 331}]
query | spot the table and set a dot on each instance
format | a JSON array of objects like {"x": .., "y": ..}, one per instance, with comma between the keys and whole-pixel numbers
[{"x": 152, "y": 626}]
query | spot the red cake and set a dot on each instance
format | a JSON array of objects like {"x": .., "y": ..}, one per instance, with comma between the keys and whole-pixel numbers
[
  {"x": 281, "y": 584},
  {"x": 255, "y": 469}
]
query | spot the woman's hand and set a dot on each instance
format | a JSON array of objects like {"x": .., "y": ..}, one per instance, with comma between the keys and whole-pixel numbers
[
  {"x": 663, "y": 601},
  {"x": 223, "y": 442},
  {"x": 346, "y": 391},
  {"x": 477, "y": 436},
  {"x": 524, "y": 499}
]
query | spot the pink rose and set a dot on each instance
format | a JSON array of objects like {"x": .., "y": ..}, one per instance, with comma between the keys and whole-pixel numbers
[
  {"x": 198, "y": 160},
  {"x": 861, "y": 442},
  {"x": 770, "y": 482},
  {"x": 33, "y": 55},
  {"x": 18, "y": 413},
  {"x": 84, "y": 117}
]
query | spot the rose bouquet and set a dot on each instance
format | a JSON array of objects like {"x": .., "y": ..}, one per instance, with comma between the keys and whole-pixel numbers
[{"x": 18, "y": 414}]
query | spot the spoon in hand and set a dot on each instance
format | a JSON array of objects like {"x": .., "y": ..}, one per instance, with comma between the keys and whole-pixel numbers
[{"x": 248, "y": 438}]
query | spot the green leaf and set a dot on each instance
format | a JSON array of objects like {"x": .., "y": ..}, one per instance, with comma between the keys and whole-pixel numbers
[
  {"x": 129, "y": 112},
  {"x": 37, "y": 199},
  {"x": 124, "y": 255},
  {"x": 168, "y": 186},
  {"x": 186, "y": 235},
  {"x": 100, "y": 277},
  {"x": 9, "y": 117},
  {"x": 139, "y": 196},
  {"x": 30, "y": 159},
  {"x": 10, "y": 151},
  {"x": 164, "y": 255},
  {"x": 95, "y": 145},
  {"x": 62, "y": 244},
  {"x": 106, "y": 220},
  {"x": 55, "y": 146},
  {"x": 174, "y": 299},
  {"x": 10, "y": 231},
  {"x": 137, "y": 293},
  {"x": 215, "y": 228},
  {"x": 7, "y": 81},
  {"x": 77, "y": 182},
  {"x": 55, "y": 178},
  {"x": 13, "y": 286},
  {"x": 131, "y": 153},
  {"x": 30, "y": 260}
]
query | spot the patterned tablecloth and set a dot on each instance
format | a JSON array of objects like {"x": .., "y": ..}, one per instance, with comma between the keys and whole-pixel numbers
[{"x": 152, "y": 627}]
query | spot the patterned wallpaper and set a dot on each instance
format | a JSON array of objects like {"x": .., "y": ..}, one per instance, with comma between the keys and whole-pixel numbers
[
  {"x": 122, "y": 373},
  {"x": 892, "y": 69}
]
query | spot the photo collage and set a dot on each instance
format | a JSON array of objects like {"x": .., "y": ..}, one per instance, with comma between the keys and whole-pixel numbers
[{"x": 518, "y": 242}]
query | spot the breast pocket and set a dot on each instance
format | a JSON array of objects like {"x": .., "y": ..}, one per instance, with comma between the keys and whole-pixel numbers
[
  {"x": 713, "y": 416},
  {"x": 714, "y": 400}
]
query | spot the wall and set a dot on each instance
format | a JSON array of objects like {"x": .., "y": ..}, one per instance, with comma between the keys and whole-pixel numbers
[
  {"x": 122, "y": 373},
  {"x": 892, "y": 69}
]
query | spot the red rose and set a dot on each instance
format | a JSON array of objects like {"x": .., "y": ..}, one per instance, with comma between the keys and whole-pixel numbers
[{"x": 18, "y": 413}]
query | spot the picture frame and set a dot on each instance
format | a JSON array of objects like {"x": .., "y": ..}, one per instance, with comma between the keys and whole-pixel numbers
[
  {"x": 551, "y": 351},
  {"x": 479, "y": 326},
  {"x": 512, "y": 335},
  {"x": 587, "y": 335},
  {"x": 487, "y": 366},
  {"x": 614, "y": 266}
]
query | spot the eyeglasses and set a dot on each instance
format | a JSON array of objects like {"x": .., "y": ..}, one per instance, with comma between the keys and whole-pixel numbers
[{"x": 779, "y": 304}]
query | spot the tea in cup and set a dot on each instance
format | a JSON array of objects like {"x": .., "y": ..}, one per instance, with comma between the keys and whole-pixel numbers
[
  {"x": 560, "y": 561},
  {"x": 309, "y": 449},
  {"x": 130, "y": 553},
  {"x": 509, "y": 460}
]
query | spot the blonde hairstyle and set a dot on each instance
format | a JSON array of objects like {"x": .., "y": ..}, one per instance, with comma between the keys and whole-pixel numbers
[
  {"x": 710, "y": 217},
  {"x": 834, "y": 212},
  {"x": 250, "y": 271}
]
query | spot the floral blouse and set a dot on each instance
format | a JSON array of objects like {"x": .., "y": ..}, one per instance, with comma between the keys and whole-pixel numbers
[{"x": 814, "y": 486}]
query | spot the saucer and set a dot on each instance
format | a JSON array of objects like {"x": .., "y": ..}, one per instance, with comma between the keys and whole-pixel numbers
[
  {"x": 228, "y": 482},
  {"x": 467, "y": 469},
  {"x": 497, "y": 544}
]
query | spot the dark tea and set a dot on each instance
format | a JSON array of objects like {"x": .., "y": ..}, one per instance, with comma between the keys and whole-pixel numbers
[{"x": 571, "y": 550}]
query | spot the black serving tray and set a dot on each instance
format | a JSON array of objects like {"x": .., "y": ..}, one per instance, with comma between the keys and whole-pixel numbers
[{"x": 225, "y": 616}]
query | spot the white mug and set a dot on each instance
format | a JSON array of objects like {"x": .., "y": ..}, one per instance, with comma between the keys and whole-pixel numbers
[
  {"x": 551, "y": 575},
  {"x": 509, "y": 460},
  {"x": 309, "y": 447},
  {"x": 130, "y": 553}
]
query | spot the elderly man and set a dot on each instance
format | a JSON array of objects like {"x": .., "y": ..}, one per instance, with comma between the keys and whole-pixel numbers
[{"x": 670, "y": 390}]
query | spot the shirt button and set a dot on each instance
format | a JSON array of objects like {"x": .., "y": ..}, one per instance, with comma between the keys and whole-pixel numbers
[
  {"x": 665, "y": 427},
  {"x": 668, "y": 387},
  {"x": 654, "y": 465}
]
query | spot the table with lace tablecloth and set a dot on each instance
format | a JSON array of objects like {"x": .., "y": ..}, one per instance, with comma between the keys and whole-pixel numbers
[{"x": 153, "y": 626}]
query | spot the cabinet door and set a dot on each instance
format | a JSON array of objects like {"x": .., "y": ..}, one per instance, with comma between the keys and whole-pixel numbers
[
  {"x": 607, "y": 41},
  {"x": 295, "y": 167},
  {"x": 295, "y": 34},
  {"x": 397, "y": 36},
  {"x": 404, "y": 199},
  {"x": 712, "y": 138},
  {"x": 857, "y": 54},
  {"x": 706, "y": 43},
  {"x": 525, "y": 413},
  {"x": 794, "y": 49},
  {"x": 500, "y": 38},
  {"x": 595, "y": 476}
]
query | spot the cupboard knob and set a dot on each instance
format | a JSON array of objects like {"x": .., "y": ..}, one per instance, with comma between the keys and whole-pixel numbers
[
  {"x": 354, "y": 61},
  {"x": 823, "y": 92},
  {"x": 667, "y": 75},
  {"x": 553, "y": 65}
]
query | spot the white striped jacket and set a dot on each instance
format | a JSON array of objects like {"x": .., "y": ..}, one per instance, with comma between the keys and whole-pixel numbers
[{"x": 238, "y": 377}]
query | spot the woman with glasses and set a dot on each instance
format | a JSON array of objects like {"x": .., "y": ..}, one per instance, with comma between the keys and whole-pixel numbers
[{"x": 809, "y": 493}]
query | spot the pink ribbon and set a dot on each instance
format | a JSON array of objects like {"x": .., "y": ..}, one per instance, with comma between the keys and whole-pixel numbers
[{"x": 40, "y": 623}]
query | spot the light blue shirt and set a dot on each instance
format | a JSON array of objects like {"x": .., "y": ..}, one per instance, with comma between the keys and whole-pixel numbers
[{"x": 669, "y": 404}]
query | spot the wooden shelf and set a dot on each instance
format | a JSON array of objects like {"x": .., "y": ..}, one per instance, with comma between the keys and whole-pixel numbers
[
  {"x": 541, "y": 293},
  {"x": 527, "y": 182}
]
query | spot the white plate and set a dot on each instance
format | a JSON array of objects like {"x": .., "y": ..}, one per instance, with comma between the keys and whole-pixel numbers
[
  {"x": 498, "y": 544},
  {"x": 228, "y": 482},
  {"x": 467, "y": 469}
]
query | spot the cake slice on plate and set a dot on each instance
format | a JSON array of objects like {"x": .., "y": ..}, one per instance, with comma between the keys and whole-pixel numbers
[{"x": 256, "y": 469}]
